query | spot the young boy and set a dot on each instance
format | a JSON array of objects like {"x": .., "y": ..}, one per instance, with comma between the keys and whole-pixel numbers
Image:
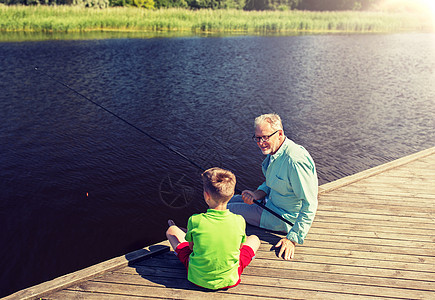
[{"x": 215, "y": 249}]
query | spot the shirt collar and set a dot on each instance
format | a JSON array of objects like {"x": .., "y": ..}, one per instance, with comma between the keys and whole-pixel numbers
[
  {"x": 280, "y": 150},
  {"x": 218, "y": 212}
]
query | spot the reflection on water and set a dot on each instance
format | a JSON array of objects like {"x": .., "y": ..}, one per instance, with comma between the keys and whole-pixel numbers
[
  {"x": 78, "y": 186},
  {"x": 23, "y": 36}
]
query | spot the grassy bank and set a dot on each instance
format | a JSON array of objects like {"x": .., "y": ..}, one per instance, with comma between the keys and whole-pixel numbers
[{"x": 76, "y": 19}]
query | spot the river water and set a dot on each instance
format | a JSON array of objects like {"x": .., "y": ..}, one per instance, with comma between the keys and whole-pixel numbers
[{"x": 79, "y": 186}]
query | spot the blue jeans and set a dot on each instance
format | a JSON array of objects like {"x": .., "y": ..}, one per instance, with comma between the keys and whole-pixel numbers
[{"x": 251, "y": 213}]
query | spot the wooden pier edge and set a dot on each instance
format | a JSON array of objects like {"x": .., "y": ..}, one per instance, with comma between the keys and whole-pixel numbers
[
  {"x": 74, "y": 278},
  {"x": 70, "y": 279},
  {"x": 327, "y": 187}
]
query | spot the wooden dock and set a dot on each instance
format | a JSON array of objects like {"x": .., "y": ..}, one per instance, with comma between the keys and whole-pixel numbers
[{"x": 373, "y": 237}]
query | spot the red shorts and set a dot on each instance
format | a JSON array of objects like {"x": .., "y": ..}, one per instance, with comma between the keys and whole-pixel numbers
[{"x": 246, "y": 255}]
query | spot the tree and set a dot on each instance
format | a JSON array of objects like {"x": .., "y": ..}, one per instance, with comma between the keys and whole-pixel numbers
[
  {"x": 331, "y": 5},
  {"x": 271, "y": 4},
  {"x": 170, "y": 3},
  {"x": 149, "y": 4}
]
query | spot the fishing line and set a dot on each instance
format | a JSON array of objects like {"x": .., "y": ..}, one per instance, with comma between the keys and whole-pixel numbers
[
  {"x": 122, "y": 119},
  {"x": 155, "y": 139}
]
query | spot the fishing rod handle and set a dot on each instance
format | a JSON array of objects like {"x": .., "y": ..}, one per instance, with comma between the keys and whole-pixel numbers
[
  {"x": 272, "y": 212},
  {"x": 259, "y": 203}
]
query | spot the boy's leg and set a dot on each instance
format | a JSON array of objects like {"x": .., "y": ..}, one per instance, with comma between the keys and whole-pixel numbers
[
  {"x": 175, "y": 235},
  {"x": 252, "y": 241},
  {"x": 247, "y": 253},
  {"x": 251, "y": 213}
]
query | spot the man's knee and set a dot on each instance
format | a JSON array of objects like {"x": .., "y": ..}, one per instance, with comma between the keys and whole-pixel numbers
[
  {"x": 251, "y": 213},
  {"x": 237, "y": 208},
  {"x": 236, "y": 199}
]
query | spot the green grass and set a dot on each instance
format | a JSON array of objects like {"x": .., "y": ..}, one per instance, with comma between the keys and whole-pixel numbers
[{"x": 76, "y": 19}]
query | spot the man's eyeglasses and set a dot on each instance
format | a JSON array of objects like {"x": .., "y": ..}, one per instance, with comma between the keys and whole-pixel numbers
[{"x": 263, "y": 138}]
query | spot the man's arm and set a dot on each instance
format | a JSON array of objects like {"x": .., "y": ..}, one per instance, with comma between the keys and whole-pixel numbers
[{"x": 303, "y": 179}]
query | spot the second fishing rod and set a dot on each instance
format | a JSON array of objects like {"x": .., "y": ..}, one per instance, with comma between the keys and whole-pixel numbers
[{"x": 259, "y": 203}]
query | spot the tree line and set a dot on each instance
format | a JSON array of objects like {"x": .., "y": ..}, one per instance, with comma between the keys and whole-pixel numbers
[{"x": 313, "y": 5}]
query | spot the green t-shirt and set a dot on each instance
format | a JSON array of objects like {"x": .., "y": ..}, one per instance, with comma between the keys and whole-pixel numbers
[{"x": 217, "y": 236}]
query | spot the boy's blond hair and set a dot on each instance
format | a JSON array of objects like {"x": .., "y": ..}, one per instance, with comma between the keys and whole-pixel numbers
[{"x": 219, "y": 183}]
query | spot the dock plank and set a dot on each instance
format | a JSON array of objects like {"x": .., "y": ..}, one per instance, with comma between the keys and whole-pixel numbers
[
  {"x": 244, "y": 291},
  {"x": 164, "y": 270},
  {"x": 289, "y": 287},
  {"x": 373, "y": 237}
]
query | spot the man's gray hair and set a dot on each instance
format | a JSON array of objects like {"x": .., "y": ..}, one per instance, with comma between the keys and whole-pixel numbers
[{"x": 273, "y": 119}]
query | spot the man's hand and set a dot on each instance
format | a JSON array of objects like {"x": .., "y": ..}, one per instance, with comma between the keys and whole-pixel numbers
[
  {"x": 249, "y": 196},
  {"x": 287, "y": 248}
]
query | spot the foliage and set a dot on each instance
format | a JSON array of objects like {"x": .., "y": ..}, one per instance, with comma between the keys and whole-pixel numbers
[
  {"x": 149, "y": 4},
  {"x": 85, "y": 3},
  {"x": 80, "y": 19},
  {"x": 272, "y": 4},
  {"x": 91, "y": 3},
  {"x": 312, "y": 5},
  {"x": 171, "y": 3},
  {"x": 334, "y": 5},
  {"x": 216, "y": 4}
]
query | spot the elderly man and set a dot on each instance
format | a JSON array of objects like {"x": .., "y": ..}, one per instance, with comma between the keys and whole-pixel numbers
[{"x": 290, "y": 188}]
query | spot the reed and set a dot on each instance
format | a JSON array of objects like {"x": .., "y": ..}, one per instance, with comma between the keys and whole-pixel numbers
[{"x": 78, "y": 19}]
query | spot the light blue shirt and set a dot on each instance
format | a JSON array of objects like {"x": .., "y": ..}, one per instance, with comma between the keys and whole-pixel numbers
[{"x": 291, "y": 186}]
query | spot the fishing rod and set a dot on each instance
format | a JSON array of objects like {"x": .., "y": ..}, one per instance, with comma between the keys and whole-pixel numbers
[
  {"x": 122, "y": 119},
  {"x": 154, "y": 139}
]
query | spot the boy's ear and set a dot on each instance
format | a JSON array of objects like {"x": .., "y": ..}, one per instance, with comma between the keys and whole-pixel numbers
[{"x": 206, "y": 195}]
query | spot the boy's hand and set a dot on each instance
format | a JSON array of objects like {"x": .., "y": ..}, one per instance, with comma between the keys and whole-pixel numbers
[{"x": 287, "y": 248}]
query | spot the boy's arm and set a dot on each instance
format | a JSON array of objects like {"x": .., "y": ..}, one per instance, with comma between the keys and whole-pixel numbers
[
  {"x": 189, "y": 236},
  {"x": 244, "y": 237}
]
